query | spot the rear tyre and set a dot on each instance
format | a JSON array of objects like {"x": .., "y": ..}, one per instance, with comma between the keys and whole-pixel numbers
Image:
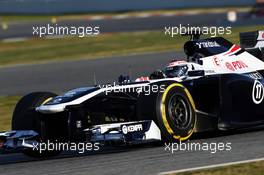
[
  {"x": 26, "y": 118},
  {"x": 176, "y": 115}
]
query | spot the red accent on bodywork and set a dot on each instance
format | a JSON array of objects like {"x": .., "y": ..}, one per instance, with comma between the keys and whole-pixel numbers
[
  {"x": 233, "y": 49},
  {"x": 142, "y": 79}
]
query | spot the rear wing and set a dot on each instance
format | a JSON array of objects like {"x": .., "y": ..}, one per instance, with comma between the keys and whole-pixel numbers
[
  {"x": 253, "y": 42},
  {"x": 252, "y": 39}
]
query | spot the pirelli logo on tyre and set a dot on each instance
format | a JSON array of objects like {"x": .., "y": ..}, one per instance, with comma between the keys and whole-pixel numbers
[{"x": 258, "y": 92}]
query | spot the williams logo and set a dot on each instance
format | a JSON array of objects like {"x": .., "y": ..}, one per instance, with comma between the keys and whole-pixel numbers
[
  {"x": 258, "y": 92},
  {"x": 131, "y": 128}
]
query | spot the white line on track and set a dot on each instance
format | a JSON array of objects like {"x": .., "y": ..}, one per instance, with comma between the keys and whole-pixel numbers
[
  {"x": 97, "y": 17},
  {"x": 144, "y": 15},
  {"x": 10, "y": 40},
  {"x": 212, "y": 166},
  {"x": 125, "y": 16}
]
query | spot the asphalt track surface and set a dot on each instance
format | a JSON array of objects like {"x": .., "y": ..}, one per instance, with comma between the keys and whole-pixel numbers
[
  {"x": 136, "y": 160},
  {"x": 63, "y": 76},
  {"x": 20, "y": 30}
]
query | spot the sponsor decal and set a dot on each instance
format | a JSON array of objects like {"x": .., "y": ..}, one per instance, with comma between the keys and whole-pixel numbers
[
  {"x": 257, "y": 92},
  {"x": 239, "y": 65},
  {"x": 229, "y": 66},
  {"x": 216, "y": 61},
  {"x": 209, "y": 71},
  {"x": 131, "y": 128},
  {"x": 207, "y": 44},
  {"x": 256, "y": 76},
  {"x": 236, "y": 65}
]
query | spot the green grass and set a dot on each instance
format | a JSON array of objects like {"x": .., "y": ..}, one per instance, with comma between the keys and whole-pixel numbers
[
  {"x": 104, "y": 45},
  {"x": 20, "y": 18},
  {"x": 255, "y": 168},
  {"x": 7, "y": 105},
  {"x": 72, "y": 48}
]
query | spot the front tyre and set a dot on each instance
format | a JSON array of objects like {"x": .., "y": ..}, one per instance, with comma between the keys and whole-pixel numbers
[
  {"x": 25, "y": 117},
  {"x": 176, "y": 113}
]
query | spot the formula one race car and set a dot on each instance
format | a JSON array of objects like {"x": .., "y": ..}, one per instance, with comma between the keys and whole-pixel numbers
[{"x": 219, "y": 87}]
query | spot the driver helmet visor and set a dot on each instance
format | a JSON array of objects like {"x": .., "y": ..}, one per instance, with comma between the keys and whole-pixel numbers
[{"x": 176, "y": 71}]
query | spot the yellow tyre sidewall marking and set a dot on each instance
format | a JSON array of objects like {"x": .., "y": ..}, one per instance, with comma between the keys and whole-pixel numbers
[
  {"x": 46, "y": 101},
  {"x": 163, "y": 111}
]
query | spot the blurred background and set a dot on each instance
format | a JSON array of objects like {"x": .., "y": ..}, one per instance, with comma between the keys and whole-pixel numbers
[
  {"x": 80, "y": 6},
  {"x": 131, "y": 40},
  {"x": 18, "y": 16}
]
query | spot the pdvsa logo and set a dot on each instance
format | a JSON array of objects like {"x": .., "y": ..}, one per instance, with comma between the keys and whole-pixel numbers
[
  {"x": 258, "y": 92},
  {"x": 131, "y": 128},
  {"x": 229, "y": 66}
]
